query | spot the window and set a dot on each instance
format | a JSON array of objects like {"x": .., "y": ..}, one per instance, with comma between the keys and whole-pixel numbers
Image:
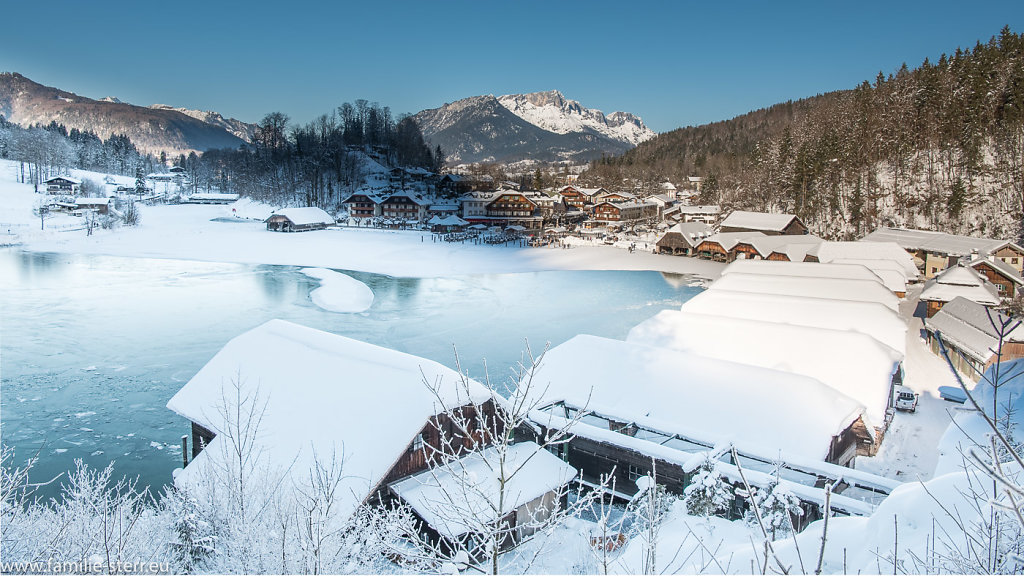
[
  {"x": 635, "y": 472},
  {"x": 417, "y": 443}
]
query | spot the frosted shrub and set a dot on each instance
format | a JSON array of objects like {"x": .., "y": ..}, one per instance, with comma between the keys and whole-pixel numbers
[
  {"x": 709, "y": 494},
  {"x": 777, "y": 506}
]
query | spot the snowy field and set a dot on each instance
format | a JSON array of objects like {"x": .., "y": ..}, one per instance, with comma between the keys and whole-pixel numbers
[{"x": 216, "y": 234}]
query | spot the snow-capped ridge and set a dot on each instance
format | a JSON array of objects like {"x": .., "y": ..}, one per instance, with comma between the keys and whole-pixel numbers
[{"x": 551, "y": 111}]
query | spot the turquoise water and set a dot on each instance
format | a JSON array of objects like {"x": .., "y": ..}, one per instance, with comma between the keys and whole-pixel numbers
[{"x": 92, "y": 347}]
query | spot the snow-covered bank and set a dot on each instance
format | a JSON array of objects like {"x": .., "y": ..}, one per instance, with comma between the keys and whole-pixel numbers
[
  {"x": 189, "y": 232},
  {"x": 338, "y": 292}
]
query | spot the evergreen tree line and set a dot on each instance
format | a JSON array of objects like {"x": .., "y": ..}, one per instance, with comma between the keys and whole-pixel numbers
[
  {"x": 48, "y": 150},
  {"x": 940, "y": 146},
  {"x": 318, "y": 163}
]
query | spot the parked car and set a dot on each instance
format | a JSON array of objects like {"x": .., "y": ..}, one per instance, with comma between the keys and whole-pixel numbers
[{"x": 904, "y": 399}]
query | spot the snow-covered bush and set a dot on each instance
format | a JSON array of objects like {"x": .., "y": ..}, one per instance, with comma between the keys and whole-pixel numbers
[
  {"x": 709, "y": 493},
  {"x": 777, "y": 506}
]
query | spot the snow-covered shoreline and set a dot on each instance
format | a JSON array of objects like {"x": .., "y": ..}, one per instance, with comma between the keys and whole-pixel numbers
[{"x": 189, "y": 232}]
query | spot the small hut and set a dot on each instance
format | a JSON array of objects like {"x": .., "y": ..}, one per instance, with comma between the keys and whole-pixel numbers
[{"x": 299, "y": 220}]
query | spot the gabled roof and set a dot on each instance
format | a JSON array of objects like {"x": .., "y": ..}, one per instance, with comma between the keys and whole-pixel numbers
[
  {"x": 68, "y": 178},
  {"x": 463, "y": 496},
  {"x": 702, "y": 398},
  {"x": 871, "y": 318},
  {"x": 938, "y": 242},
  {"x": 729, "y": 240},
  {"x": 972, "y": 327},
  {"x": 765, "y": 245},
  {"x": 305, "y": 215},
  {"x": 893, "y": 274},
  {"x": 874, "y": 250},
  {"x": 758, "y": 221},
  {"x": 320, "y": 396},
  {"x": 693, "y": 233},
  {"x": 960, "y": 281},
  {"x": 851, "y": 363},
  {"x": 1004, "y": 269}
]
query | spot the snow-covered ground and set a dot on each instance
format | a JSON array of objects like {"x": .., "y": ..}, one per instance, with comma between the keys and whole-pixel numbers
[
  {"x": 216, "y": 234},
  {"x": 338, "y": 292},
  {"x": 910, "y": 451}
]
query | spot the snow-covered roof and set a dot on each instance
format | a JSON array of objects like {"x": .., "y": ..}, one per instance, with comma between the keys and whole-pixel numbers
[
  {"x": 306, "y": 215},
  {"x": 869, "y": 318},
  {"x": 972, "y": 327},
  {"x": 67, "y": 178},
  {"x": 835, "y": 288},
  {"x": 92, "y": 201},
  {"x": 701, "y": 398},
  {"x": 701, "y": 209},
  {"x": 321, "y": 396},
  {"x": 937, "y": 242},
  {"x": 960, "y": 281},
  {"x": 464, "y": 496},
  {"x": 765, "y": 245},
  {"x": 801, "y": 269},
  {"x": 829, "y": 251},
  {"x": 852, "y": 363},
  {"x": 1007, "y": 271},
  {"x": 729, "y": 240},
  {"x": 693, "y": 233},
  {"x": 758, "y": 221},
  {"x": 893, "y": 275},
  {"x": 667, "y": 186},
  {"x": 213, "y": 196}
]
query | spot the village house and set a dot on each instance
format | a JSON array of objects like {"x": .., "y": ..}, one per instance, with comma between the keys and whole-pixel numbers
[
  {"x": 323, "y": 398},
  {"x": 708, "y": 214},
  {"x": 362, "y": 206},
  {"x": 959, "y": 280},
  {"x": 579, "y": 198},
  {"x": 644, "y": 410},
  {"x": 405, "y": 208},
  {"x": 624, "y": 211},
  {"x": 511, "y": 208},
  {"x": 720, "y": 247},
  {"x": 668, "y": 190},
  {"x": 969, "y": 332},
  {"x": 97, "y": 205},
  {"x": 1003, "y": 276},
  {"x": 458, "y": 184},
  {"x": 767, "y": 224},
  {"x": 937, "y": 251},
  {"x": 474, "y": 205},
  {"x": 63, "y": 185},
  {"x": 299, "y": 220},
  {"x": 761, "y": 247},
  {"x": 683, "y": 238}
]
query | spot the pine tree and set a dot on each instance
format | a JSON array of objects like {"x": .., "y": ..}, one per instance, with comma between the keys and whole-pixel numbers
[
  {"x": 140, "y": 180},
  {"x": 709, "y": 493}
]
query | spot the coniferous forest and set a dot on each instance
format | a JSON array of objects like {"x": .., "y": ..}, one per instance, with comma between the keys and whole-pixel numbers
[{"x": 939, "y": 146}]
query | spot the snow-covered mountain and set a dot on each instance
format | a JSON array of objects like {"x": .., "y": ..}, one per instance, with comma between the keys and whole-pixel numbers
[
  {"x": 25, "y": 103},
  {"x": 540, "y": 127},
  {"x": 552, "y": 111},
  {"x": 243, "y": 130}
]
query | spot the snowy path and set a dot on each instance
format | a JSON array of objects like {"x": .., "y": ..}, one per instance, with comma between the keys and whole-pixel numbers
[{"x": 910, "y": 449}]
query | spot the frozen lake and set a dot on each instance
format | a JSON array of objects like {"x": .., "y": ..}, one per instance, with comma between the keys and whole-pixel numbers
[{"x": 92, "y": 347}]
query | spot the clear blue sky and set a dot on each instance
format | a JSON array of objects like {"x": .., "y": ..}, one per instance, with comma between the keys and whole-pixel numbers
[{"x": 673, "y": 63}]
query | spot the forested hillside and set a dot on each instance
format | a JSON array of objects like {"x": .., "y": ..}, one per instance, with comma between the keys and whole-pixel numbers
[{"x": 940, "y": 146}]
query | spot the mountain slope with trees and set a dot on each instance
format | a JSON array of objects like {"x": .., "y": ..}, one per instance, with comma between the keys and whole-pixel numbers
[
  {"x": 153, "y": 130},
  {"x": 940, "y": 146}
]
